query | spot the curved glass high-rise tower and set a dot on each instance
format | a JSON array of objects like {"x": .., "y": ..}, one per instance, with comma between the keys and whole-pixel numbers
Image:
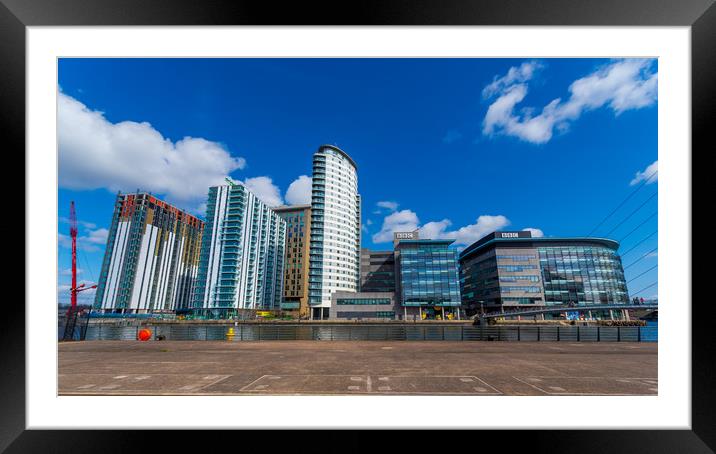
[{"x": 335, "y": 228}]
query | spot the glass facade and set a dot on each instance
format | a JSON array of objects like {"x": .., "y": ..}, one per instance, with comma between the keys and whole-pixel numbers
[
  {"x": 497, "y": 272},
  {"x": 376, "y": 314},
  {"x": 428, "y": 273},
  {"x": 582, "y": 275},
  {"x": 242, "y": 253},
  {"x": 362, "y": 301}
]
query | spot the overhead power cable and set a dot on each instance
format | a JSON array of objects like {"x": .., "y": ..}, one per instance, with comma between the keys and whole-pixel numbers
[
  {"x": 638, "y": 276},
  {"x": 645, "y": 288},
  {"x": 640, "y": 242},
  {"x": 631, "y": 214},
  {"x": 624, "y": 201},
  {"x": 641, "y": 258},
  {"x": 637, "y": 227}
]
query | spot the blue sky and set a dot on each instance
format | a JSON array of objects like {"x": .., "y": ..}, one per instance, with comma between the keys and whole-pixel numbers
[{"x": 458, "y": 147}]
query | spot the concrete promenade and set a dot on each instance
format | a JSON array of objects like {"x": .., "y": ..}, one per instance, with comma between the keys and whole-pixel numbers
[{"x": 356, "y": 368}]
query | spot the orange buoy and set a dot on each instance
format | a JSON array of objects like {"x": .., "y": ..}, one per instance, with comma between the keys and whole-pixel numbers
[{"x": 144, "y": 334}]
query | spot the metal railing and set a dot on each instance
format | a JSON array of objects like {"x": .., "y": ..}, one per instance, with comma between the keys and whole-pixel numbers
[{"x": 259, "y": 332}]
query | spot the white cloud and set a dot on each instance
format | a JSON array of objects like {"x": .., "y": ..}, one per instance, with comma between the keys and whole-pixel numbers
[
  {"x": 651, "y": 173},
  {"x": 399, "y": 221},
  {"x": 392, "y": 206},
  {"x": 98, "y": 236},
  {"x": 89, "y": 225},
  {"x": 465, "y": 235},
  {"x": 536, "y": 233},
  {"x": 88, "y": 243},
  {"x": 515, "y": 75},
  {"x": 68, "y": 272},
  {"x": 621, "y": 85},
  {"x": 265, "y": 190},
  {"x": 369, "y": 222},
  {"x": 125, "y": 156},
  {"x": 407, "y": 220},
  {"x": 299, "y": 191}
]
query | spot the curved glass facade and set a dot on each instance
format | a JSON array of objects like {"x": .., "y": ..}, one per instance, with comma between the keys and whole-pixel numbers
[
  {"x": 499, "y": 272},
  {"x": 582, "y": 275}
]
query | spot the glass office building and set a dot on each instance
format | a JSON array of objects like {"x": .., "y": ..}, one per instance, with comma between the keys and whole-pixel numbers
[
  {"x": 508, "y": 269},
  {"x": 242, "y": 253},
  {"x": 428, "y": 279}
]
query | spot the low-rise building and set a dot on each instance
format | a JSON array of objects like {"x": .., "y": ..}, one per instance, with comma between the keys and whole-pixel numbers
[
  {"x": 363, "y": 306},
  {"x": 377, "y": 271}
]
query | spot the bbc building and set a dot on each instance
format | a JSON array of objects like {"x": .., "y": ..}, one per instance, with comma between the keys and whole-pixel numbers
[
  {"x": 425, "y": 283},
  {"x": 507, "y": 270}
]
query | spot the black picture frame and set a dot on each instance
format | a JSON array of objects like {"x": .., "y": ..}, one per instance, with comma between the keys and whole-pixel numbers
[{"x": 700, "y": 15}]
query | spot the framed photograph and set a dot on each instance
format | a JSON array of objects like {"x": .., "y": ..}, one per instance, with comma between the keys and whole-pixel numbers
[{"x": 438, "y": 216}]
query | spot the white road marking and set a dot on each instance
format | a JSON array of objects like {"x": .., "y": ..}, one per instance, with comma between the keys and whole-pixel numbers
[
  {"x": 383, "y": 378},
  {"x": 654, "y": 389},
  {"x": 356, "y": 378},
  {"x": 211, "y": 377},
  {"x": 274, "y": 377},
  {"x": 188, "y": 387},
  {"x": 369, "y": 383},
  {"x": 109, "y": 387},
  {"x": 467, "y": 380},
  {"x": 86, "y": 386},
  {"x": 142, "y": 377},
  {"x": 262, "y": 386},
  {"x": 354, "y": 388},
  {"x": 119, "y": 377},
  {"x": 383, "y": 388},
  {"x": 556, "y": 388},
  {"x": 479, "y": 389},
  {"x": 386, "y": 348}
]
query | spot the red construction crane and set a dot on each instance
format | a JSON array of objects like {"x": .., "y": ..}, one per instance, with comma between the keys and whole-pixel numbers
[{"x": 75, "y": 289}]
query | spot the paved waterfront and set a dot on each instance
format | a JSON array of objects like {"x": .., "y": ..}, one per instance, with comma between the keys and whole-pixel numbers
[{"x": 355, "y": 367}]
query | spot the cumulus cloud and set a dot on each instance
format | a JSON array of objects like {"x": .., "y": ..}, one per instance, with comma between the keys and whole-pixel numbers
[
  {"x": 68, "y": 272},
  {"x": 650, "y": 174},
  {"x": 407, "y": 220},
  {"x": 265, "y": 190},
  {"x": 622, "y": 85},
  {"x": 399, "y": 221},
  {"x": 89, "y": 225},
  {"x": 536, "y": 233},
  {"x": 467, "y": 234},
  {"x": 299, "y": 191},
  {"x": 515, "y": 75},
  {"x": 88, "y": 242},
  {"x": 96, "y": 153},
  {"x": 392, "y": 206}
]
